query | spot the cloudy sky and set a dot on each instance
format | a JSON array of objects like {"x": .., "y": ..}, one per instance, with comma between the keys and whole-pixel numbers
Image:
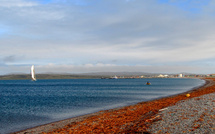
[{"x": 78, "y": 36}]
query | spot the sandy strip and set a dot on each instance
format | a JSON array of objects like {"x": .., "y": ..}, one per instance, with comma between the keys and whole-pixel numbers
[{"x": 129, "y": 119}]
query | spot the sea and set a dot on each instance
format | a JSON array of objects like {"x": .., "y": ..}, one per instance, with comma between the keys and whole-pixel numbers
[{"x": 25, "y": 103}]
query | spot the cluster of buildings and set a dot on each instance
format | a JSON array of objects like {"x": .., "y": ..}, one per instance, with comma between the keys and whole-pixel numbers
[
  {"x": 160, "y": 76},
  {"x": 211, "y": 75},
  {"x": 165, "y": 76},
  {"x": 170, "y": 76}
]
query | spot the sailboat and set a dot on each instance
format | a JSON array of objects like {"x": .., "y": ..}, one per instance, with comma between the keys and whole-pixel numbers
[{"x": 33, "y": 73}]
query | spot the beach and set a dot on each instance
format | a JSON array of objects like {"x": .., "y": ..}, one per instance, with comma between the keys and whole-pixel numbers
[
  {"x": 196, "y": 115},
  {"x": 138, "y": 118}
]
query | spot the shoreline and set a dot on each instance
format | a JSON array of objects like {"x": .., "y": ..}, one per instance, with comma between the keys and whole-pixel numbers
[{"x": 91, "y": 117}]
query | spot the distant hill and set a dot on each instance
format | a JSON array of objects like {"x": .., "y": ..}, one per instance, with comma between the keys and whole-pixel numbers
[
  {"x": 119, "y": 74},
  {"x": 96, "y": 75},
  {"x": 73, "y": 76},
  {"x": 46, "y": 76}
]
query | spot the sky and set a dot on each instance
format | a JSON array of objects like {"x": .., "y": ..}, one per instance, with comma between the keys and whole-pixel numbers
[{"x": 81, "y": 36}]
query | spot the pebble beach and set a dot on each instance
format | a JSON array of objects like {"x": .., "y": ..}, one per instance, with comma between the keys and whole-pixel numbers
[
  {"x": 174, "y": 114},
  {"x": 193, "y": 116}
]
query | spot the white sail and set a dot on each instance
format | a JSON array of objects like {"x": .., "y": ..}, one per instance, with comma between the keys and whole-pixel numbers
[{"x": 33, "y": 73}]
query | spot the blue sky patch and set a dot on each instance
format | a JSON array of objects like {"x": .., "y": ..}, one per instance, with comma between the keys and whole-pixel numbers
[{"x": 193, "y": 6}]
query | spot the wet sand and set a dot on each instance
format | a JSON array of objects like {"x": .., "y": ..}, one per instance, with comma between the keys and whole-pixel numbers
[{"x": 130, "y": 119}]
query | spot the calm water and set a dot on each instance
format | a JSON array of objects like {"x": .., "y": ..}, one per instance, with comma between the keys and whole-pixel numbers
[{"x": 24, "y": 103}]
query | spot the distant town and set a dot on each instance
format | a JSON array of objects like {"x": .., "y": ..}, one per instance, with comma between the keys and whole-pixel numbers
[
  {"x": 106, "y": 75},
  {"x": 160, "y": 76}
]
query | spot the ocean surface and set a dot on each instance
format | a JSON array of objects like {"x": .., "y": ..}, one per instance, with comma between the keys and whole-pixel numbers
[{"x": 26, "y": 103}]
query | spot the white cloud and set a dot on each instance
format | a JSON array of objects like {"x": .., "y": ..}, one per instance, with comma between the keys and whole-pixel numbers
[
  {"x": 108, "y": 34},
  {"x": 16, "y": 3}
]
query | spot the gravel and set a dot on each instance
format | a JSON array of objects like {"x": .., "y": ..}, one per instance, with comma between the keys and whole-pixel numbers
[{"x": 192, "y": 116}]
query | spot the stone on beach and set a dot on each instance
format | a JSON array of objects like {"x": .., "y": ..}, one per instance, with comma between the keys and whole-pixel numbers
[{"x": 187, "y": 95}]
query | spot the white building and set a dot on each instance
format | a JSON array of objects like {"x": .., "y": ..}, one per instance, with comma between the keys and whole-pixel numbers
[
  {"x": 160, "y": 76},
  {"x": 180, "y": 75},
  {"x": 166, "y": 75}
]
